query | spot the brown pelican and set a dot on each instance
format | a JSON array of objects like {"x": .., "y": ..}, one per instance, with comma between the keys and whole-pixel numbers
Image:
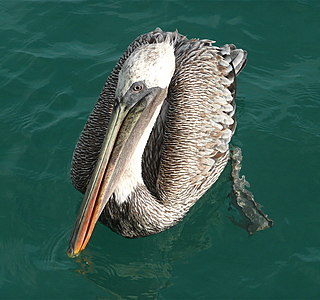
[{"x": 158, "y": 136}]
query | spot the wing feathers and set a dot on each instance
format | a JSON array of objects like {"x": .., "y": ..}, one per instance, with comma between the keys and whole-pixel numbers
[{"x": 199, "y": 111}]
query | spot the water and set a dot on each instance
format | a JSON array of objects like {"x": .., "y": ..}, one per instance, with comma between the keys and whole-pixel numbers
[{"x": 55, "y": 57}]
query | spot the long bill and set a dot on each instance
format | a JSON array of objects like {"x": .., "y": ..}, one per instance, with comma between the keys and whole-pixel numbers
[{"x": 126, "y": 126}]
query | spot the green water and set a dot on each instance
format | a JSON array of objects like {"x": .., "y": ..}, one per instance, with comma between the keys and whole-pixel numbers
[{"x": 55, "y": 57}]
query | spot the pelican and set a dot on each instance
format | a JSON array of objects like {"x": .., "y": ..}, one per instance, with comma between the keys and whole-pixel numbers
[{"x": 158, "y": 136}]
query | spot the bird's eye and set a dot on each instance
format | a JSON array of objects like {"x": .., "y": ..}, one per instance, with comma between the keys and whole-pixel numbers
[{"x": 137, "y": 87}]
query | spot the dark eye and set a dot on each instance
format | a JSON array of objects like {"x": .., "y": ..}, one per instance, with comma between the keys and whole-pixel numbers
[{"x": 137, "y": 87}]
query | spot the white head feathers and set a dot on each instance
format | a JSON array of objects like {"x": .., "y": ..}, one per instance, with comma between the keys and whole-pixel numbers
[{"x": 153, "y": 63}]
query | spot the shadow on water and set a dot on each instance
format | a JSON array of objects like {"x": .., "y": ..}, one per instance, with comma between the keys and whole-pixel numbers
[{"x": 142, "y": 267}]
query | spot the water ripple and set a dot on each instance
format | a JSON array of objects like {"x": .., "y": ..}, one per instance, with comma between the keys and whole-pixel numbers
[{"x": 280, "y": 94}]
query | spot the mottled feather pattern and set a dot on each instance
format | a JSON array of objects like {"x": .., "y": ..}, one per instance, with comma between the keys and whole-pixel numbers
[
  {"x": 195, "y": 148},
  {"x": 188, "y": 147}
]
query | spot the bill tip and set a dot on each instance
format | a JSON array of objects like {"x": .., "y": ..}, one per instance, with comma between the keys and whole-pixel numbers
[{"x": 71, "y": 253}]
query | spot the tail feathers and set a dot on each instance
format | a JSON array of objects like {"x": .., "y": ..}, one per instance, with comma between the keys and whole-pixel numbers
[{"x": 237, "y": 57}]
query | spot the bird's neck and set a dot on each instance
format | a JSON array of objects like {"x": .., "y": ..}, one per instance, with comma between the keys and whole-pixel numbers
[{"x": 142, "y": 214}]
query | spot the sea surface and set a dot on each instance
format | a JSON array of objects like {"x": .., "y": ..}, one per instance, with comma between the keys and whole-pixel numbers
[{"x": 55, "y": 57}]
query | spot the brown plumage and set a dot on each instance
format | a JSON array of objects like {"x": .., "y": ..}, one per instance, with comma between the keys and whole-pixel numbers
[{"x": 188, "y": 147}]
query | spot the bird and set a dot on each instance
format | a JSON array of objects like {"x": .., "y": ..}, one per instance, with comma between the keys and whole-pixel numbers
[{"x": 158, "y": 136}]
